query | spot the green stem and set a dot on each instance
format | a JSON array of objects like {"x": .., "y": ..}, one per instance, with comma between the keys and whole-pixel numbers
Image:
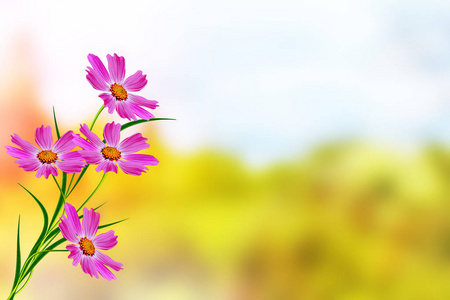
[
  {"x": 43, "y": 254},
  {"x": 78, "y": 179},
  {"x": 22, "y": 275},
  {"x": 61, "y": 201},
  {"x": 70, "y": 184},
  {"x": 26, "y": 282},
  {"x": 50, "y": 240},
  {"x": 92, "y": 194},
  {"x": 57, "y": 184},
  {"x": 96, "y": 116}
]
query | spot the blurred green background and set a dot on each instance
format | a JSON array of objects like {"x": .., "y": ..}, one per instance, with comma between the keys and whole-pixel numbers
[{"x": 310, "y": 158}]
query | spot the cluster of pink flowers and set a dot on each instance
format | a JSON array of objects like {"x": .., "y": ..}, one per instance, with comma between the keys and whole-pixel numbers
[
  {"x": 109, "y": 156},
  {"x": 73, "y": 152},
  {"x": 49, "y": 157}
]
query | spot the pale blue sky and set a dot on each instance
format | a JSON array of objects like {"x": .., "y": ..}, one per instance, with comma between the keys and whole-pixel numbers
[{"x": 264, "y": 79}]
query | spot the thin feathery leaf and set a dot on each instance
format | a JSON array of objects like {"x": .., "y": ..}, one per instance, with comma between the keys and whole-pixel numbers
[
  {"x": 110, "y": 224},
  {"x": 100, "y": 205},
  {"x": 132, "y": 123},
  {"x": 40, "y": 256},
  {"x": 57, "y": 210},
  {"x": 56, "y": 123},
  {"x": 18, "y": 257},
  {"x": 45, "y": 215}
]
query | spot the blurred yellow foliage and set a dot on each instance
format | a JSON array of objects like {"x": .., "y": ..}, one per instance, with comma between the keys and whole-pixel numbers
[{"x": 348, "y": 221}]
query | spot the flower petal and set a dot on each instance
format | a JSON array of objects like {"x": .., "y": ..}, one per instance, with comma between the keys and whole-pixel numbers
[
  {"x": 70, "y": 166},
  {"x": 107, "y": 166},
  {"x": 109, "y": 101},
  {"x": 47, "y": 170},
  {"x": 87, "y": 265},
  {"x": 141, "y": 101},
  {"x": 108, "y": 261},
  {"x": 99, "y": 67},
  {"x": 102, "y": 270},
  {"x": 92, "y": 137},
  {"x": 18, "y": 153},
  {"x": 29, "y": 164},
  {"x": 132, "y": 168},
  {"x": 82, "y": 143},
  {"x": 43, "y": 137},
  {"x": 116, "y": 67},
  {"x": 96, "y": 80},
  {"x": 105, "y": 241},
  {"x": 140, "y": 112},
  {"x": 67, "y": 230},
  {"x": 92, "y": 157},
  {"x": 144, "y": 159},
  {"x": 72, "y": 215},
  {"x": 133, "y": 143},
  {"x": 64, "y": 143},
  {"x": 74, "y": 155},
  {"x": 135, "y": 82},
  {"x": 111, "y": 133},
  {"x": 27, "y": 146},
  {"x": 91, "y": 220},
  {"x": 75, "y": 254},
  {"x": 125, "y": 111}
]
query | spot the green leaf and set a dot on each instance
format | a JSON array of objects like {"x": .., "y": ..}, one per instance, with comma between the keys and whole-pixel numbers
[
  {"x": 26, "y": 282},
  {"x": 56, "y": 123},
  {"x": 40, "y": 256},
  {"x": 110, "y": 224},
  {"x": 132, "y": 123},
  {"x": 18, "y": 257},
  {"x": 64, "y": 185},
  {"x": 100, "y": 206},
  {"x": 44, "y": 229},
  {"x": 52, "y": 233},
  {"x": 61, "y": 200},
  {"x": 55, "y": 244}
]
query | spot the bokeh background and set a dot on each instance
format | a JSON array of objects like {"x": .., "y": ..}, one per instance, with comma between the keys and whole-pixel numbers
[{"x": 309, "y": 160}]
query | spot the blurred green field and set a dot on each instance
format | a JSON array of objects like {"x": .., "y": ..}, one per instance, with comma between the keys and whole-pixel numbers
[{"x": 347, "y": 221}]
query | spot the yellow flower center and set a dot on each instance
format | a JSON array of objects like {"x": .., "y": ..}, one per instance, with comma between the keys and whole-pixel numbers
[
  {"x": 111, "y": 153},
  {"x": 119, "y": 92},
  {"x": 47, "y": 157},
  {"x": 87, "y": 247}
]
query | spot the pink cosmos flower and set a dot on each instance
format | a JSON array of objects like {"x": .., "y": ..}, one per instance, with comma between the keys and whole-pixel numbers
[
  {"x": 112, "y": 154},
  {"x": 118, "y": 96},
  {"x": 87, "y": 244},
  {"x": 48, "y": 156}
]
